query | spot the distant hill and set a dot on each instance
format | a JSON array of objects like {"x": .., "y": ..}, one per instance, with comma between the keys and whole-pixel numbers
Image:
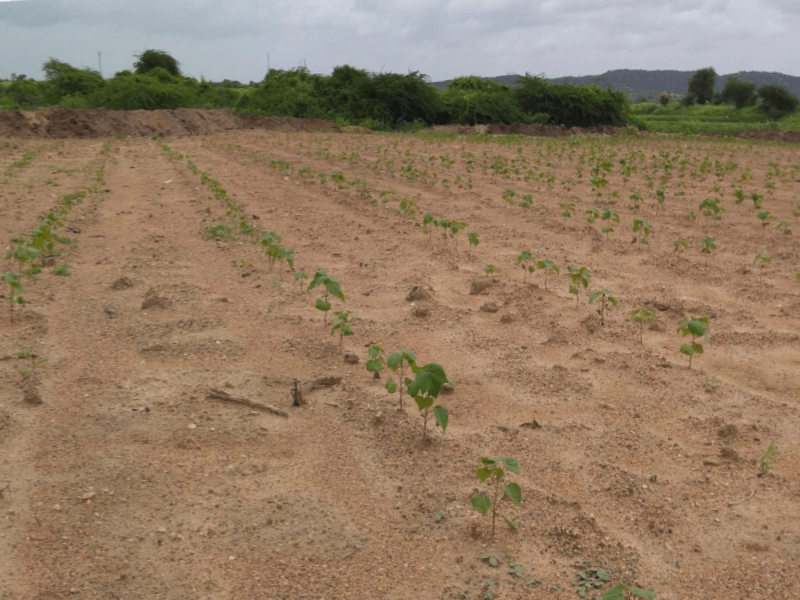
[{"x": 650, "y": 84}]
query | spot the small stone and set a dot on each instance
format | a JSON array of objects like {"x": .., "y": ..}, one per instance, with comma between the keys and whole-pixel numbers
[
  {"x": 418, "y": 293},
  {"x": 122, "y": 283},
  {"x": 480, "y": 285},
  {"x": 57, "y": 508},
  {"x": 711, "y": 462},
  {"x": 506, "y": 318},
  {"x": 421, "y": 310},
  {"x": 192, "y": 426},
  {"x": 351, "y": 359},
  {"x": 490, "y": 307},
  {"x": 210, "y": 530}
]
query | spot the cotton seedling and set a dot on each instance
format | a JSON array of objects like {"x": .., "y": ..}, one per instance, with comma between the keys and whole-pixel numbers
[
  {"x": 508, "y": 196},
  {"x": 270, "y": 241},
  {"x": 640, "y": 224},
  {"x": 605, "y": 296},
  {"x": 286, "y": 254},
  {"x": 637, "y": 198},
  {"x": 16, "y": 293},
  {"x": 489, "y": 269},
  {"x": 547, "y": 265},
  {"x": 341, "y": 325},
  {"x": 332, "y": 288},
  {"x": 425, "y": 388},
  {"x": 706, "y": 246},
  {"x": 299, "y": 276},
  {"x": 697, "y": 328},
  {"x": 784, "y": 226},
  {"x": 680, "y": 245},
  {"x": 609, "y": 215},
  {"x": 527, "y": 262},
  {"x": 567, "y": 208},
  {"x": 494, "y": 471},
  {"x": 660, "y": 196},
  {"x": 757, "y": 200},
  {"x": 35, "y": 363},
  {"x": 642, "y": 316},
  {"x": 527, "y": 201},
  {"x": 23, "y": 252},
  {"x": 427, "y": 219},
  {"x": 739, "y": 193},
  {"x": 399, "y": 361},
  {"x": 580, "y": 277},
  {"x": 592, "y": 215},
  {"x": 711, "y": 208},
  {"x": 767, "y": 460},
  {"x": 376, "y": 362},
  {"x": 473, "y": 239},
  {"x": 765, "y": 260}
]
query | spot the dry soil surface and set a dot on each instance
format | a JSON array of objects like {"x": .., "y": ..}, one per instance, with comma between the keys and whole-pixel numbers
[{"x": 132, "y": 479}]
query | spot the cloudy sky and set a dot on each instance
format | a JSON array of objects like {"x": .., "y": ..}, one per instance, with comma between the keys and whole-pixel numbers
[{"x": 441, "y": 38}]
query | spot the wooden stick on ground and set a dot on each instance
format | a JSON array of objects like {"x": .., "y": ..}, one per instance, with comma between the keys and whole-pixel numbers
[{"x": 225, "y": 396}]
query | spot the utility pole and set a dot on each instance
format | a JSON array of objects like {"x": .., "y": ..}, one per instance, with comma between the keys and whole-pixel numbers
[
  {"x": 99, "y": 64},
  {"x": 267, "y": 63}
]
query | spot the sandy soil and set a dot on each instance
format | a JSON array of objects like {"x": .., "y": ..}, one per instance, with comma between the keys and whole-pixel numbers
[{"x": 131, "y": 481}]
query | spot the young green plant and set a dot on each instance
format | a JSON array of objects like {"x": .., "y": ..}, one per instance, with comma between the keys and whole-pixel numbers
[
  {"x": 332, "y": 288},
  {"x": 641, "y": 316},
  {"x": 494, "y": 471},
  {"x": 605, "y": 296},
  {"x": 376, "y": 362},
  {"x": 341, "y": 325},
  {"x": 399, "y": 361},
  {"x": 425, "y": 388},
  {"x": 697, "y": 328},
  {"x": 580, "y": 277},
  {"x": 765, "y": 260}
]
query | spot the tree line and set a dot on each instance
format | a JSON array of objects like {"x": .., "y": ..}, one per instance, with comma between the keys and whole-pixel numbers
[{"x": 352, "y": 96}]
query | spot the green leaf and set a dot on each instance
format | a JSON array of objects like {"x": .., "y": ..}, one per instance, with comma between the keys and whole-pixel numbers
[
  {"x": 483, "y": 505},
  {"x": 697, "y": 328},
  {"x": 514, "y": 492},
  {"x": 375, "y": 365},
  {"x": 390, "y": 385},
  {"x": 483, "y": 473},
  {"x": 687, "y": 349},
  {"x": 423, "y": 402},
  {"x": 442, "y": 417},
  {"x": 697, "y": 348},
  {"x": 511, "y": 464},
  {"x": 640, "y": 593},
  {"x": 320, "y": 304},
  {"x": 615, "y": 593}
]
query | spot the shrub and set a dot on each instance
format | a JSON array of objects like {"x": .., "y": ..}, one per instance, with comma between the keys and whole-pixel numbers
[
  {"x": 740, "y": 93},
  {"x": 701, "y": 85},
  {"x": 777, "y": 101},
  {"x": 150, "y": 59}
]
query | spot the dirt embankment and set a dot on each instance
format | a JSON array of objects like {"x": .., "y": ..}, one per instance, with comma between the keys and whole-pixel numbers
[{"x": 60, "y": 122}]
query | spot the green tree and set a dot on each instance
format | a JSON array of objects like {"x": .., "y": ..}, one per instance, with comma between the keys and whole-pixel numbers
[
  {"x": 777, "y": 101},
  {"x": 150, "y": 59},
  {"x": 740, "y": 93},
  {"x": 701, "y": 85}
]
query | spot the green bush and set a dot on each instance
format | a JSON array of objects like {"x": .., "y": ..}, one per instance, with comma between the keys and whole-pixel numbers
[
  {"x": 738, "y": 92},
  {"x": 137, "y": 92},
  {"x": 473, "y": 101},
  {"x": 701, "y": 85},
  {"x": 573, "y": 106},
  {"x": 151, "y": 59},
  {"x": 777, "y": 101}
]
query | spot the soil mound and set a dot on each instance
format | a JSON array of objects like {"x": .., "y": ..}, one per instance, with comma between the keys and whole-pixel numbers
[{"x": 60, "y": 122}]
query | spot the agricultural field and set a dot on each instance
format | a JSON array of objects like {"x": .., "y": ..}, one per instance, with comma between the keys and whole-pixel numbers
[{"x": 198, "y": 336}]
